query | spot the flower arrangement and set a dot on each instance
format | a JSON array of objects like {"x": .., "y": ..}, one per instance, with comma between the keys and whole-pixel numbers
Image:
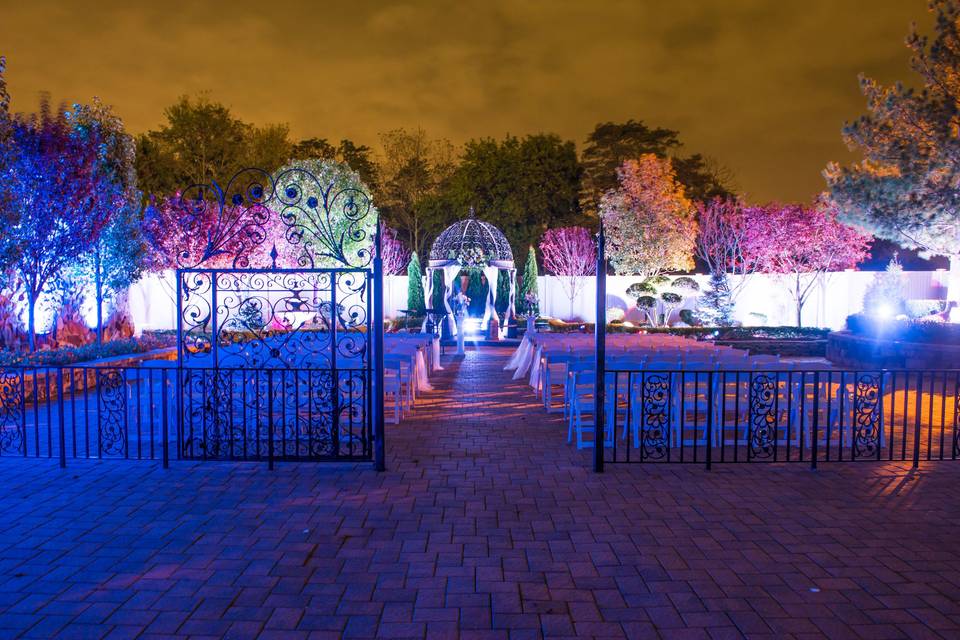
[
  {"x": 462, "y": 302},
  {"x": 533, "y": 303},
  {"x": 473, "y": 256}
]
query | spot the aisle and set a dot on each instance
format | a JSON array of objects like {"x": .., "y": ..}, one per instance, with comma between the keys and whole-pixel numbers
[{"x": 478, "y": 417}]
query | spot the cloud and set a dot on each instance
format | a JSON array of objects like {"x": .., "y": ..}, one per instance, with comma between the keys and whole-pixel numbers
[{"x": 761, "y": 86}]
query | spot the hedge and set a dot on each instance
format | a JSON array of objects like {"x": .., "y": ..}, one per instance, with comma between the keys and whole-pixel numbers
[{"x": 701, "y": 333}]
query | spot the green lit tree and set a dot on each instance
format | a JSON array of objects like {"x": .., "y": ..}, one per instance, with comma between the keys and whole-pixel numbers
[
  {"x": 715, "y": 306},
  {"x": 415, "y": 301},
  {"x": 529, "y": 302},
  {"x": 119, "y": 254}
]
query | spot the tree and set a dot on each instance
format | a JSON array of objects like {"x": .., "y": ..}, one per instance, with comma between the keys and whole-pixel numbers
[
  {"x": 884, "y": 296},
  {"x": 7, "y": 160},
  {"x": 360, "y": 159},
  {"x": 395, "y": 256},
  {"x": 724, "y": 245},
  {"x": 659, "y": 296},
  {"x": 322, "y": 215},
  {"x": 529, "y": 302},
  {"x": 610, "y": 144},
  {"x": 202, "y": 142},
  {"x": 716, "y": 306},
  {"x": 906, "y": 187},
  {"x": 412, "y": 169},
  {"x": 523, "y": 186},
  {"x": 415, "y": 295},
  {"x": 116, "y": 260},
  {"x": 60, "y": 191},
  {"x": 649, "y": 222},
  {"x": 178, "y": 233},
  {"x": 802, "y": 244},
  {"x": 571, "y": 254},
  {"x": 313, "y": 149},
  {"x": 118, "y": 255}
]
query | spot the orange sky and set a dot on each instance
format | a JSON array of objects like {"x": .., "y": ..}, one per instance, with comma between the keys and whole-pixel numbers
[{"x": 763, "y": 86}]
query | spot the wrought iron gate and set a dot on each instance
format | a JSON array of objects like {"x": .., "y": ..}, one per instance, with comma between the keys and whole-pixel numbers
[{"x": 279, "y": 352}]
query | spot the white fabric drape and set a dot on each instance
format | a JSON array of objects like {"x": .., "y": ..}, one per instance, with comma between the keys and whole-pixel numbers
[
  {"x": 449, "y": 273},
  {"x": 519, "y": 356},
  {"x": 491, "y": 274},
  {"x": 512, "y": 304}
]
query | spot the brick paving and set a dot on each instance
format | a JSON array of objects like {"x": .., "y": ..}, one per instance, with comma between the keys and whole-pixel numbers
[{"x": 487, "y": 525}]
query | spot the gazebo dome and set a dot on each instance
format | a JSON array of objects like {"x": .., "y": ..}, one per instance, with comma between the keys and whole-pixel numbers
[{"x": 471, "y": 243}]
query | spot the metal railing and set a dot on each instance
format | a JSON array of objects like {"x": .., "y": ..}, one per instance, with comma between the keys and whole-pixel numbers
[
  {"x": 808, "y": 416},
  {"x": 166, "y": 412}
]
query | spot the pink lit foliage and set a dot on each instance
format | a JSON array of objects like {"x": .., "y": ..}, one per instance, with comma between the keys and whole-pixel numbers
[
  {"x": 569, "y": 253},
  {"x": 395, "y": 255},
  {"x": 725, "y": 244},
  {"x": 803, "y": 244},
  {"x": 179, "y": 231}
]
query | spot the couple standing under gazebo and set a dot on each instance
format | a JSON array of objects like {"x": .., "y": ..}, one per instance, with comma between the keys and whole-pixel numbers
[{"x": 471, "y": 244}]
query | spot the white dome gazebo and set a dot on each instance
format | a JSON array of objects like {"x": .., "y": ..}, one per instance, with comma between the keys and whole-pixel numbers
[{"x": 476, "y": 244}]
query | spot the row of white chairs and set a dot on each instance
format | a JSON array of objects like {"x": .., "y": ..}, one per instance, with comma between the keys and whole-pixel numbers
[
  {"x": 409, "y": 358},
  {"x": 563, "y": 376}
]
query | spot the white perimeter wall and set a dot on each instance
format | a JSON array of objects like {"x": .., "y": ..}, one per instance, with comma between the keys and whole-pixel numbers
[{"x": 153, "y": 305}]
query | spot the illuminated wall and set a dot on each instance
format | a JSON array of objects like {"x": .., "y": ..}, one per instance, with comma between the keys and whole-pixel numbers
[{"x": 153, "y": 304}]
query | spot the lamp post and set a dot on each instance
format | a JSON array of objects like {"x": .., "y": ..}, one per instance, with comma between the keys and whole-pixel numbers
[{"x": 600, "y": 354}]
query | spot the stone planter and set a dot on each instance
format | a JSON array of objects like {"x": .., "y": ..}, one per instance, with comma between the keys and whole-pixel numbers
[{"x": 847, "y": 349}]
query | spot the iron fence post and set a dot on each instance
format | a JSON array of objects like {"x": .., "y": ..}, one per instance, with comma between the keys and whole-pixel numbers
[
  {"x": 60, "y": 409},
  {"x": 815, "y": 436},
  {"x": 916, "y": 427},
  {"x": 165, "y": 427},
  {"x": 379, "y": 442},
  {"x": 213, "y": 319},
  {"x": 600, "y": 349},
  {"x": 709, "y": 420},
  {"x": 270, "y": 419}
]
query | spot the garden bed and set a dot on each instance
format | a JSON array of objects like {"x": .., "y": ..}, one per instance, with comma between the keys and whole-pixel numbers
[
  {"x": 79, "y": 365},
  {"x": 150, "y": 341}
]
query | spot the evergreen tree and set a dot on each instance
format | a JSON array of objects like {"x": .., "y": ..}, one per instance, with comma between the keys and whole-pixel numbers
[
  {"x": 715, "y": 306},
  {"x": 528, "y": 285},
  {"x": 415, "y": 301},
  {"x": 885, "y": 295},
  {"x": 905, "y": 188},
  {"x": 436, "y": 301}
]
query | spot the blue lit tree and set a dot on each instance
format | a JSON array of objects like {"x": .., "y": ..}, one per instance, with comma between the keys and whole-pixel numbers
[
  {"x": 59, "y": 193},
  {"x": 6, "y": 148},
  {"x": 118, "y": 255}
]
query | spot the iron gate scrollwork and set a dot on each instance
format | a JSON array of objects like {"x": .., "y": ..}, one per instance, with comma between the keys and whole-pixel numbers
[
  {"x": 12, "y": 413},
  {"x": 655, "y": 416},
  {"x": 762, "y": 426},
  {"x": 867, "y": 415},
  {"x": 276, "y": 285}
]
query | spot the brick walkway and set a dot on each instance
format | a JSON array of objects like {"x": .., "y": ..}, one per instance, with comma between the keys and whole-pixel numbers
[{"x": 487, "y": 525}]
